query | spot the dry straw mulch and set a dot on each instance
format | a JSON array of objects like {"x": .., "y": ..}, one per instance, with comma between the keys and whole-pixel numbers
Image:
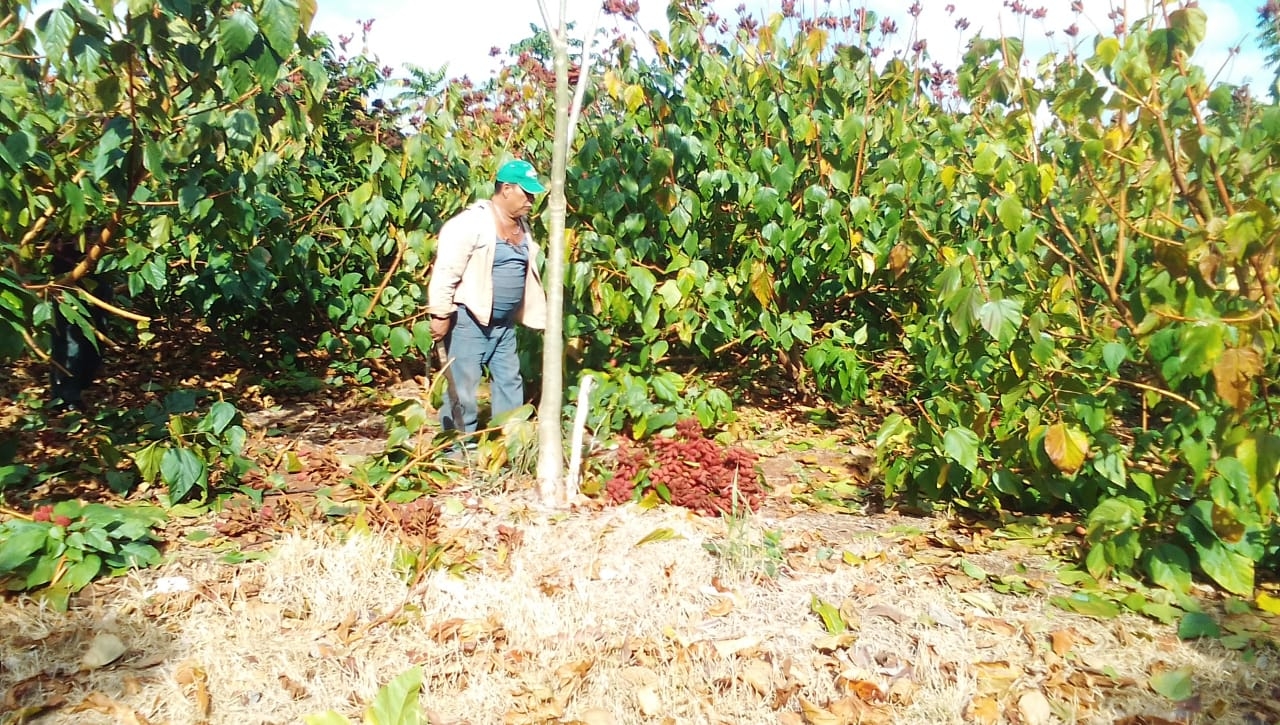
[{"x": 608, "y": 616}]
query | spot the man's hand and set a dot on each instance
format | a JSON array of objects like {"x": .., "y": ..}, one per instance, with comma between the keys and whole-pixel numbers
[{"x": 440, "y": 327}]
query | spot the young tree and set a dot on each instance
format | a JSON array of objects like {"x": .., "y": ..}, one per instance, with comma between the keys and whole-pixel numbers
[{"x": 551, "y": 480}]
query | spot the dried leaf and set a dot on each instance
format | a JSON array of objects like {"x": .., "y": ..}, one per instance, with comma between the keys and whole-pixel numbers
[
  {"x": 648, "y": 701},
  {"x": 1268, "y": 603},
  {"x": 1233, "y": 375},
  {"x": 984, "y": 711},
  {"x": 121, "y": 713},
  {"x": 1034, "y": 708},
  {"x": 815, "y": 715},
  {"x": 864, "y": 690},
  {"x": 295, "y": 689},
  {"x": 1063, "y": 641},
  {"x": 758, "y": 675},
  {"x": 730, "y": 647},
  {"x": 723, "y": 606},
  {"x": 884, "y": 610},
  {"x": 596, "y": 716},
  {"x": 790, "y": 718},
  {"x": 190, "y": 674},
  {"x": 105, "y": 649}
]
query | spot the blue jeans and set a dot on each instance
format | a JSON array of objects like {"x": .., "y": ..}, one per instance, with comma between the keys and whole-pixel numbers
[{"x": 471, "y": 347}]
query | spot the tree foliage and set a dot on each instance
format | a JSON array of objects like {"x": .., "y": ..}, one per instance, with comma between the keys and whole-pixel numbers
[{"x": 1066, "y": 277}]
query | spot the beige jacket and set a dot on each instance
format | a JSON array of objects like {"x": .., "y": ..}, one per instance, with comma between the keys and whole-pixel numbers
[{"x": 463, "y": 270}]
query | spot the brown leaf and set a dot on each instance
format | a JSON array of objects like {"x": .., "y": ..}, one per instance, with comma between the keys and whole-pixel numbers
[
  {"x": 295, "y": 689},
  {"x": 597, "y": 716},
  {"x": 1063, "y": 640},
  {"x": 790, "y": 718},
  {"x": 984, "y": 711},
  {"x": 1233, "y": 375},
  {"x": 123, "y": 714},
  {"x": 864, "y": 690},
  {"x": 815, "y": 715},
  {"x": 723, "y": 606},
  {"x": 995, "y": 678},
  {"x": 190, "y": 674},
  {"x": 899, "y": 258}
]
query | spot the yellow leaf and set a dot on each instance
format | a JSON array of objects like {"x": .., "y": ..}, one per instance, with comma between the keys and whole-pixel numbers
[
  {"x": 633, "y": 97},
  {"x": 758, "y": 675},
  {"x": 1234, "y": 374},
  {"x": 761, "y": 284},
  {"x": 1067, "y": 447},
  {"x": 612, "y": 84},
  {"x": 984, "y": 711},
  {"x": 662, "y": 534},
  {"x": 1268, "y": 603}
]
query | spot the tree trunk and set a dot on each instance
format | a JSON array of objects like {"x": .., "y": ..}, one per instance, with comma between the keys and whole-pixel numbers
[{"x": 550, "y": 434}]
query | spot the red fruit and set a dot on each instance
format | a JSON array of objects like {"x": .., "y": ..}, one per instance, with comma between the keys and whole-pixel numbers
[
  {"x": 44, "y": 513},
  {"x": 61, "y": 521}
]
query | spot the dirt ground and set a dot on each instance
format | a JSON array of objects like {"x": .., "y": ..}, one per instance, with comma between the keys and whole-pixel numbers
[{"x": 821, "y": 608}]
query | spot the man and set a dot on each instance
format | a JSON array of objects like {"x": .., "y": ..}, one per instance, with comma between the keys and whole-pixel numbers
[{"x": 484, "y": 281}]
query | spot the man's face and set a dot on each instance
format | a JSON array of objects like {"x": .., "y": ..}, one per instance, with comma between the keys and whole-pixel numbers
[{"x": 516, "y": 200}]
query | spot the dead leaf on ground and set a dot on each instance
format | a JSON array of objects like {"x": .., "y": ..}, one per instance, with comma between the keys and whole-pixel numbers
[
  {"x": 995, "y": 678},
  {"x": 1063, "y": 640},
  {"x": 648, "y": 701},
  {"x": 984, "y": 711},
  {"x": 884, "y": 610},
  {"x": 595, "y": 716},
  {"x": 191, "y": 675},
  {"x": 123, "y": 714},
  {"x": 790, "y": 718},
  {"x": 864, "y": 690},
  {"x": 1034, "y": 708},
  {"x": 758, "y": 675},
  {"x": 729, "y": 647},
  {"x": 722, "y": 607},
  {"x": 815, "y": 715},
  {"x": 103, "y": 650},
  {"x": 295, "y": 689}
]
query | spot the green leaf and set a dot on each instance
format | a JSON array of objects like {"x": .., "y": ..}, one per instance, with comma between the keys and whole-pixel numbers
[
  {"x": 1087, "y": 604},
  {"x": 1001, "y": 319},
  {"x": 1010, "y": 212},
  {"x": 961, "y": 446},
  {"x": 660, "y": 534},
  {"x": 236, "y": 33},
  {"x": 397, "y": 702},
  {"x": 1170, "y": 567},
  {"x": 220, "y": 415},
  {"x": 1196, "y": 625},
  {"x": 1173, "y": 684},
  {"x": 22, "y": 539},
  {"x": 1190, "y": 24},
  {"x": 242, "y": 129},
  {"x": 181, "y": 471},
  {"x": 148, "y": 459},
  {"x": 1113, "y": 355},
  {"x": 279, "y": 20},
  {"x": 830, "y": 615},
  {"x": 1231, "y": 570},
  {"x": 400, "y": 341},
  {"x": 55, "y": 29}
]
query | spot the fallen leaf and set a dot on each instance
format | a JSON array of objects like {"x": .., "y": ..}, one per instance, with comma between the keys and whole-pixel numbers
[
  {"x": 984, "y": 711},
  {"x": 662, "y": 534},
  {"x": 815, "y": 715},
  {"x": 121, "y": 713},
  {"x": 723, "y": 606},
  {"x": 1173, "y": 684},
  {"x": 864, "y": 690},
  {"x": 790, "y": 718},
  {"x": 648, "y": 701},
  {"x": 190, "y": 674},
  {"x": 1034, "y": 708},
  {"x": 981, "y": 601},
  {"x": 890, "y": 613},
  {"x": 729, "y": 647},
  {"x": 758, "y": 675},
  {"x": 995, "y": 678},
  {"x": 596, "y": 716},
  {"x": 105, "y": 649},
  {"x": 296, "y": 690},
  {"x": 902, "y": 691},
  {"x": 997, "y": 627},
  {"x": 1063, "y": 640}
]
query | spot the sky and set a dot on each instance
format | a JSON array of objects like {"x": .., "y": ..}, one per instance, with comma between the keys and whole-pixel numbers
[{"x": 459, "y": 34}]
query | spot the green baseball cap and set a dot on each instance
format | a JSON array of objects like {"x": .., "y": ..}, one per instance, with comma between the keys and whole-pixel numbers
[{"x": 522, "y": 174}]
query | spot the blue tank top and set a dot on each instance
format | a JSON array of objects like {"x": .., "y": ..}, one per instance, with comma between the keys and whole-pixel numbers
[{"x": 510, "y": 264}]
